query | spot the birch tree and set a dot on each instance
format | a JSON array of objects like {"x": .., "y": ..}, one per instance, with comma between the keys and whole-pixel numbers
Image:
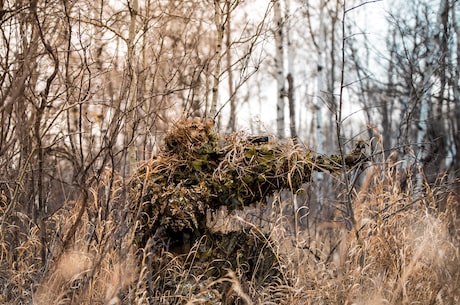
[
  {"x": 228, "y": 44},
  {"x": 220, "y": 24},
  {"x": 320, "y": 79},
  {"x": 290, "y": 74},
  {"x": 280, "y": 73},
  {"x": 318, "y": 38},
  {"x": 420, "y": 73}
]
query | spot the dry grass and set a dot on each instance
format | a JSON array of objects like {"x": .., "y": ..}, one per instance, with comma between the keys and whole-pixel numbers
[{"x": 404, "y": 250}]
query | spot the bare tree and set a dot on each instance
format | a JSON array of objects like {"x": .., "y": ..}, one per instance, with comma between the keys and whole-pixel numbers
[{"x": 418, "y": 74}]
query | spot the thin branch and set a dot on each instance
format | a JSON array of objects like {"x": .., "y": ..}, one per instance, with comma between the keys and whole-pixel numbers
[{"x": 362, "y": 4}]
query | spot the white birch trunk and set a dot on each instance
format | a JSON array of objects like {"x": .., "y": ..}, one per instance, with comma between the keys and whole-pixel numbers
[
  {"x": 219, "y": 23},
  {"x": 279, "y": 61},
  {"x": 228, "y": 41},
  {"x": 320, "y": 83},
  {"x": 421, "y": 133},
  {"x": 320, "y": 102},
  {"x": 292, "y": 118},
  {"x": 290, "y": 76},
  {"x": 425, "y": 102}
]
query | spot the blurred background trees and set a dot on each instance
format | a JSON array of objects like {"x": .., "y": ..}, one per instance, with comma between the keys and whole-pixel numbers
[{"x": 90, "y": 85}]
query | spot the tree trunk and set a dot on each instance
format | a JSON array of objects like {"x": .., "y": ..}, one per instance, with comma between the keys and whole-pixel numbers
[
  {"x": 320, "y": 99},
  {"x": 130, "y": 89},
  {"x": 426, "y": 144},
  {"x": 219, "y": 21},
  {"x": 329, "y": 74},
  {"x": 228, "y": 42},
  {"x": 456, "y": 94},
  {"x": 279, "y": 61},
  {"x": 290, "y": 77}
]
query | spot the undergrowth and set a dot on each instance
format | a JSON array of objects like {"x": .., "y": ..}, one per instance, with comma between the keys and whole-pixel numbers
[{"x": 404, "y": 249}]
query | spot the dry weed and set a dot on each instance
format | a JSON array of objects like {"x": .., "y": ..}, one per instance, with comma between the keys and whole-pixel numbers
[{"x": 403, "y": 250}]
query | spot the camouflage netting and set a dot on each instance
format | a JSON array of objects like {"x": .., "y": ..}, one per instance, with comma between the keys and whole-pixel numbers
[{"x": 197, "y": 171}]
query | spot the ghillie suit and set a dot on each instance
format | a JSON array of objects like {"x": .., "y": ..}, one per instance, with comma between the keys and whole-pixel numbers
[{"x": 197, "y": 172}]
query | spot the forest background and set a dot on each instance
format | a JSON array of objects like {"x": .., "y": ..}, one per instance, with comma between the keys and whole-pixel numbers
[{"x": 88, "y": 90}]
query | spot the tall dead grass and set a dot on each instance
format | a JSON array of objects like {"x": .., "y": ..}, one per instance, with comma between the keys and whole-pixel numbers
[{"x": 404, "y": 250}]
